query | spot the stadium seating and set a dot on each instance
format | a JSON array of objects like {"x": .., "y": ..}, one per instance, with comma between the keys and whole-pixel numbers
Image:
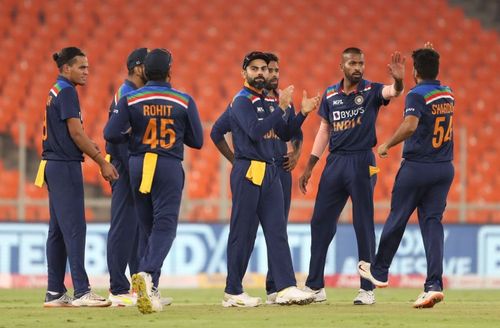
[{"x": 207, "y": 50}]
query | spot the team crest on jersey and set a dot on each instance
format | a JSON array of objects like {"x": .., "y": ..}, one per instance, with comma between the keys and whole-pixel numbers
[
  {"x": 359, "y": 100},
  {"x": 271, "y": 108},
  {"x": 260, "y": 110},
  {"x": 336, "y": 116}
]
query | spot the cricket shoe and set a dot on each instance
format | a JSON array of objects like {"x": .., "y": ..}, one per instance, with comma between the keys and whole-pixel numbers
[
  {"x": 122, "y": 300},
  {"x": 293, "y": 295},
  {"x": 271, "y": 298},
  {"x": 318, "y": 294},
  {"x": 365, "y": 297},
  {"x": 364, "y": 269},
  {"x": 241, "y": 300},
  {"x": 148, "y": 297},
  {"x": 91, "y": 299},
  {"x": 57, "y": 300},
  {"x": 428, "y": 299}
]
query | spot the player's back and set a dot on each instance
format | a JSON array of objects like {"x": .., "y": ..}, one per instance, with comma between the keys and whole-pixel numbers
[
  {"x": 163, "y": 120},
  {"x": 432, "y": 141}
]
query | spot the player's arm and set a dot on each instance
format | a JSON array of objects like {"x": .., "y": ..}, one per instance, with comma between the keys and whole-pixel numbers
[
  {"x": 295, "y": 121},
  {"x": 193, "y": 137},
  {"x": 222, "y": 126},
  {"x": 88, "y": 147},
  {"x": 246, "y": 118},
  {"x": 292, "y": 158},
  {"x": 410, "y": 123},
  {"x": 319, "y": 146},
  {"x": 397, "y": 70},
  {"x": 117, "y": 127}
]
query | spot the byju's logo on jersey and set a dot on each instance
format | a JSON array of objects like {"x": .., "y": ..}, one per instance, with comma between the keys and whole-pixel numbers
[
  {"x": 359, "y": 100},
  {"x": 338, "y": 102},
  {"x": 336, "y": 115}
]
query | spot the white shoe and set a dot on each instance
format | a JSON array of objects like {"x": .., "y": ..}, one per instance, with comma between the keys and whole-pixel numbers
[
  {"x": 365, "y": 297},
  {"x": 57, "y": 300},
  {"x": 319, "y": 294},
  {"x": 428, "y": 299},
  {"x": 364, "y": 269},
  {"x": 271, "y": 298},
  {"x": 166, "y": 301},
  {"x": 241, "y": 300},
  {"x": 91, "y": 299},
  {"x": 122, "y": 299},
  {"x": 142, "y": 284},
  {"x": 293, "y": 295},
  {"x": 156, "y": 300}
]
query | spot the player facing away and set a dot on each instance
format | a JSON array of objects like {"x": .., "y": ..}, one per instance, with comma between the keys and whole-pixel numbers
[
  {"x": 424, "y": 178},
  {"x": 124, "y": 234},
  {"x": 348, "y": 113},
  {"x": 63, "y": 144},
  {"x": 255, "y": 185},
  {"x": 162, "y": 120},
  {"x": 285, "y": 160}
]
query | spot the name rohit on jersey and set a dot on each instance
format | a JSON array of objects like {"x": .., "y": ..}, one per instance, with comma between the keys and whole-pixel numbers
[{"x": 349, "y": 119}]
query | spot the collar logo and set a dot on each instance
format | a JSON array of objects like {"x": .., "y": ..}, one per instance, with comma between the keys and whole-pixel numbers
[{"x": 359, "y": 100}]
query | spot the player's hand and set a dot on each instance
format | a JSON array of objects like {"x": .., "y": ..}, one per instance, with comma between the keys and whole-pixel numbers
[
  {"x": 397, "y": 66},
  {"x": 428, "y": 45},
  {"x": 292, "y": 158},
  {"x": 303, "y": 180},
  {"x": 286, "y": 97},
  {"x": 109, "y": 172},
  {"x": 382, "y": 150},
  {"x": 309, "y": 104}
]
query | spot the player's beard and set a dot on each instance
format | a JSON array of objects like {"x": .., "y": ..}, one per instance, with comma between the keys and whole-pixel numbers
[
  {"x": 272, "y": 84},
  {"x": 260, "y": 84},
  {"x": 354, "y": 79}
]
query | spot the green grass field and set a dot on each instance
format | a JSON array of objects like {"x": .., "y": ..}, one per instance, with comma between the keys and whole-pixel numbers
[{"x": 202, "y": 308}]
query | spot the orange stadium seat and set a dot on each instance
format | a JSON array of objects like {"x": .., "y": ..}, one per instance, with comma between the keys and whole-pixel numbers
[{"x": 207, "y": 55}]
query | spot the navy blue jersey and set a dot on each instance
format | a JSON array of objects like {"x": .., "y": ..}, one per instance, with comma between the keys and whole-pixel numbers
[
  {"x": 258, "y": 124},
  {"x": 223, "y": 125},
  {"x": 432, "y": 141},
  {"x": 119, "y": 151},
  {"x": 62, "y": 104},
  {"x": 352, "y": 116},
  {"x": 162, "y": 121}
]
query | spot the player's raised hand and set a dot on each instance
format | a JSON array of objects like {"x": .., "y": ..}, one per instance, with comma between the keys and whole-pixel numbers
[
  {"x": 397, "y": 66},
  {"x": 286, "y": 97},
  {"x": 303, "y": 180},
  {"x": 429, "y": 45},
  {"x": 309, "y": 104},
  {"x": 382, "y": 150}
]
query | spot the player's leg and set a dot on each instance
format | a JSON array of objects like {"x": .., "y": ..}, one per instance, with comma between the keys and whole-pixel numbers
[
  {"x": 243, "y": 226},
  {"x": 66, "y": 185},
  {"x": 286, "y": 185},
  {"x": 430, "y": 215},
  {"x": 330, "y": 201},
  {"x": 361, "y": 188},
  {"x": 122, "y": 231},
  {"x": 405, "y": 196}
]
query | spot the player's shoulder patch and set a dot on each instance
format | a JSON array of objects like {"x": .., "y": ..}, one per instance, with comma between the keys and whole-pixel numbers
[
  {"x": 59, "y": 86},
  {"x": 439, "y": 92},
  {"x": 332, "y": 91},
  {"x": 246, "y": 94},
  {"x": 149, "y": 93}
]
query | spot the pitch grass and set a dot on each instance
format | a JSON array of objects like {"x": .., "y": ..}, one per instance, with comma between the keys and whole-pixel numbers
[{"x": 202, "y": 308}]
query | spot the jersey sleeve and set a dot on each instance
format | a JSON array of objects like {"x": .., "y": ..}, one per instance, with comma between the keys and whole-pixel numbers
[
  {"x": 377, "y": 88},
  {"x": 323, "y": 108},
  {"x": 118, "y": 123},
  {"x": 244, "y": 113},
  {"x": 221, "y": 126},
  {"x": 193, "y": 137},
  {"x": 414, "y": 104},
  {"x": 68, "y": 103}
]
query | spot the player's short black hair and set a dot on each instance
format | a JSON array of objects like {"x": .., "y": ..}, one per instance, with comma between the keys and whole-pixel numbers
[
  {"x": 67, "y": 56},
  {"x": 352, "y": 50},
  {"x": 426, "y": 63},
  {"x": 272, "y": 57}
]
